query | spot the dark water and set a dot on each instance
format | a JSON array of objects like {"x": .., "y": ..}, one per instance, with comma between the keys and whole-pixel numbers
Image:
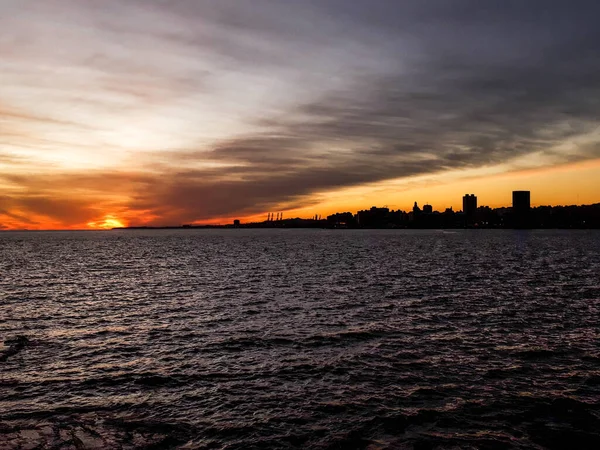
[{"x": 300, "y": 338}]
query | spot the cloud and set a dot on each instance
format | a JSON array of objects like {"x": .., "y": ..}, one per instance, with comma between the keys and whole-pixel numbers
[
  {"x": 231, "y": 109},
  {"x": 453, "y": 115}
]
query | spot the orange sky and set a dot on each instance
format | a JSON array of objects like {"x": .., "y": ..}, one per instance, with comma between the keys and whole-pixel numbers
[
  {"x": 101, "y": 201},
  {"x": 576, "y": 183},
  {"x": 568, "y": 184}
]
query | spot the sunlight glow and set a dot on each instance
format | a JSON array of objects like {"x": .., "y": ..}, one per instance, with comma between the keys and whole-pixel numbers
[{"x": 108, "y": 222}]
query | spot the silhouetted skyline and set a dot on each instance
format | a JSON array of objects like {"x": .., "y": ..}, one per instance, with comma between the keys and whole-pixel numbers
[{"x": 518, "y": 215}]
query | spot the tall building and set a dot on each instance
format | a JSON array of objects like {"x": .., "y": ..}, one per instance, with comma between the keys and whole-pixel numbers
[
  {"x": 521, "y": 208},
  {"x": 427, "y": 209},
  {"x": 470, "y": 207},
  {"x": 521, "y": 201}
]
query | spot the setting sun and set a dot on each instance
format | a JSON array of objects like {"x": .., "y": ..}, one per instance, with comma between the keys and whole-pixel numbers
[{"x": 106, "y": 223}]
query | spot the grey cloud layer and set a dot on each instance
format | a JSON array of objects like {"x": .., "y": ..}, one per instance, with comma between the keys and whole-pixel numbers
[{"x": 460, "y": 109}]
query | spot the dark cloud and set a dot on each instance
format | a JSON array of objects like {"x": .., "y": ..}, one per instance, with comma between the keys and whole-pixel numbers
[{"x": 449, "y": 111}]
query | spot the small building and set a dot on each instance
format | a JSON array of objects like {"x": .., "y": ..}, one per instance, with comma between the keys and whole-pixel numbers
[{"x": 236, "y": 223}]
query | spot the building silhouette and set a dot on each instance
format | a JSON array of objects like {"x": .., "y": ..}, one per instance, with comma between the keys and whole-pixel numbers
[
  {"x": 521, "y": 209},
  {"x": 470, "y": 208},
  {"x": 521, "y": 201},
  {"x": 520, "y": 215},
  {"x": 373, "y": 218},
  {"x": 341, "y": 220}
]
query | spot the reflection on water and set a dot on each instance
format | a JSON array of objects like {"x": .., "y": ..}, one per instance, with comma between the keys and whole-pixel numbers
[{"x": 300, "y": 338}]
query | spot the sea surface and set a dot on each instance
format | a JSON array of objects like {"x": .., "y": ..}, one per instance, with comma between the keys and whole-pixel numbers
[{"x": 325, "y": 339}]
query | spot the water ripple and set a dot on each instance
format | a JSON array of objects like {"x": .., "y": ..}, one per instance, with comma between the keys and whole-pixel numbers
[{"x": 300, "y": 339}]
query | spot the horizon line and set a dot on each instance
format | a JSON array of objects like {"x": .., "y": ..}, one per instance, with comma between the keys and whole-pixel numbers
[{"x": 230, "y": 225}]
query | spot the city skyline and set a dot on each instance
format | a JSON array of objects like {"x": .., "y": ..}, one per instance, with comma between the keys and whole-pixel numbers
[
  {"x": 145, "y": 113},
  {"x": 471, "y": 207},
  {"x": 521, "y": 213}
]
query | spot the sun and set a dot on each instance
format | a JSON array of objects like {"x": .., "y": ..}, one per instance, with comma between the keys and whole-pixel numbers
[{"x": 109, "y": 221}]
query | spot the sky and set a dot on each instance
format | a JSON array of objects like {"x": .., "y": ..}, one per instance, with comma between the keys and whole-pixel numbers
[{"x": 157, "y": 112}]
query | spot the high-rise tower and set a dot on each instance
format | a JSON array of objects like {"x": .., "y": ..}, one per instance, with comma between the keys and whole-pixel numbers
[
  {"x": 470, "y": 208},
  {"x": 521, "y": 208}
]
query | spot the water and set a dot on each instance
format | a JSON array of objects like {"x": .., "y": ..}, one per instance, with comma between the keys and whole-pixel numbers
[{"x": 300, "y": 338}]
